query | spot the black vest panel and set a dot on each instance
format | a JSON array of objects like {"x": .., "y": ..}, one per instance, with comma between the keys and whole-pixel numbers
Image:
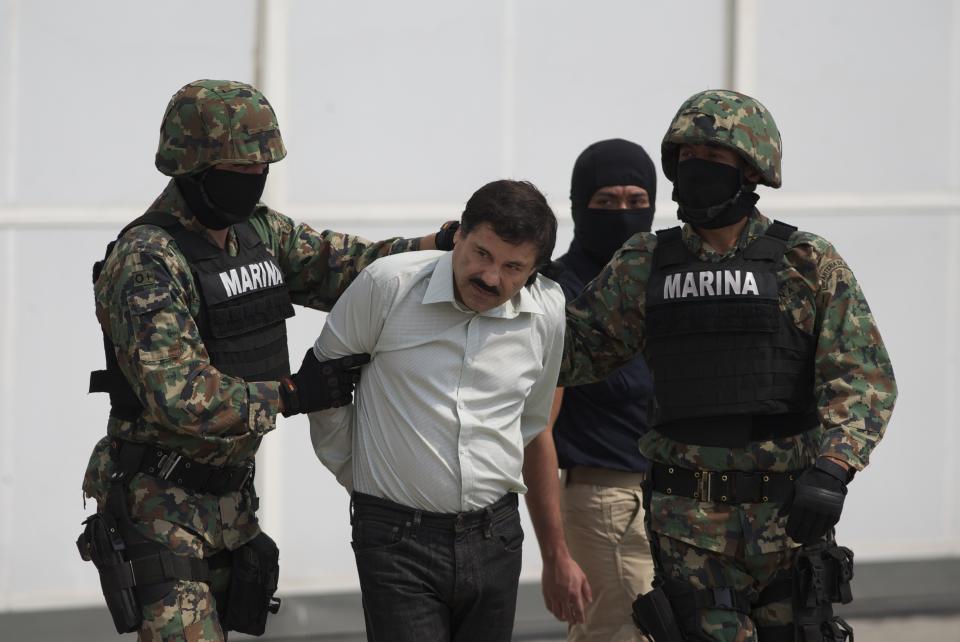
[
  {"x": 729, "y": 366},
  {"x": 245, "y": 303},
  {"x": 244, "y": 306}
]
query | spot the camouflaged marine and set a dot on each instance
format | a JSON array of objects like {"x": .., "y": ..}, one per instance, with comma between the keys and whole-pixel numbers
[
  {"x": 772, "y": 388},
  {"x": 192, "y": 299}
]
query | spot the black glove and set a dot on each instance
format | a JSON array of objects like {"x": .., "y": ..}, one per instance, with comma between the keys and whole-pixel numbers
[
  {"x": 552, "y": 270},
  {"x": 817, "y": 500},
  {"x": 320, "y": 385},
  {"x": 444, "y": 238}
]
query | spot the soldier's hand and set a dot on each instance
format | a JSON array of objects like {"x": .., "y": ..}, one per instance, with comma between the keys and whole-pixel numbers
[
  {"x": 319, "y": 385},
  {"x": 444, "y": 238},
  {"x": 816, "y": 503}
]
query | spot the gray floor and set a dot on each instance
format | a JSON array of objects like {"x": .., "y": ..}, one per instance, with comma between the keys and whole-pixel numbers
[
  {"x": 914, "y": 629},
  {"x": 916, "y": 601},
  {"x": 90, "y": 626}
]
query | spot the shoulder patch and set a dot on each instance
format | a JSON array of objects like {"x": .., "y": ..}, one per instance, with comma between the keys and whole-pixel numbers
[
  {"x": 143, "y": 278},
  {"x": 832, "y": 266},
  {"x": 143, "y": 302}
]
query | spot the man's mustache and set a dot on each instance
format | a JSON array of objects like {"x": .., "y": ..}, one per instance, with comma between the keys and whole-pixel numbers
[{"x": 483, "y": 286}]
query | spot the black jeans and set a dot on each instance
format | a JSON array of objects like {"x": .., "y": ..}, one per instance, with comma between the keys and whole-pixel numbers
[{"x": 432, "y": 577}]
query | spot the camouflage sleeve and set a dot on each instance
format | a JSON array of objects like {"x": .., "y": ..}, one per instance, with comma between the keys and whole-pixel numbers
[
  {"x": 319, "y": 266},
  {"x": 605, "y": 324},
  {"x": 854, "y": 383},
  {"x": 144, "y": 302}
]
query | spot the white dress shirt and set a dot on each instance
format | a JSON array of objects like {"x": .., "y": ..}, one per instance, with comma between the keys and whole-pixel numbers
[{"x": 450, "y": 397}]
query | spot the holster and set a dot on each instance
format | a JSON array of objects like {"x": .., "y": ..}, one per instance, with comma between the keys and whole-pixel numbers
[
  {"x": 253, "y": 582},
  {"x": 134, "y": 570},
  {"x": 100, "y": 543},
  {"x": 654, "y": 616},
  {"x": 821, "y": 579}
]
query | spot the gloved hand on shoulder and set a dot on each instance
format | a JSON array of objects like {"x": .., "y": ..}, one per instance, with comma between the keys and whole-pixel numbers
[{"x": 444, "y": 238}]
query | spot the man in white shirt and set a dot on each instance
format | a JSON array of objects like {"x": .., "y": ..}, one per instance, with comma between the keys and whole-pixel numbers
[{"x": 465, "y": 350}]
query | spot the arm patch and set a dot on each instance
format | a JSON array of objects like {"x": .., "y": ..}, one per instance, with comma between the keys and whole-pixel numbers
[{"x": 831, "y": 267}]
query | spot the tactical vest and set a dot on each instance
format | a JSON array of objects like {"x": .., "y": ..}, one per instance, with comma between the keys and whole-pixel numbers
[
  {"x": 729, "y": 366},
  {"x": 244, "y": 305}
]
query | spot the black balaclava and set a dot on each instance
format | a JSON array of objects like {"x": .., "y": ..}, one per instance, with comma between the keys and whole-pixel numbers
[
  {"x": 219, "y": 198},
  {"x": 600, "y": 232},
  {"x": 711, "y": 195}
]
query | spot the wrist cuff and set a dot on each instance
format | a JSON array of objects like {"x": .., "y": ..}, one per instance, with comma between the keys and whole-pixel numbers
[
  {"x": 834, "y": 469},
  {"x": 288, "y": 393}
]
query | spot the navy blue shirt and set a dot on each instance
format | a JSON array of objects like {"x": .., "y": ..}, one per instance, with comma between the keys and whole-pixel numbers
[{"x": 599, "y": 423}]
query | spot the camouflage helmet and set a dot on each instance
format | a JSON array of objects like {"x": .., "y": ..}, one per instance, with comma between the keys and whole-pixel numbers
[
  {"x": 217, "y": 121},
  {"x": 726, "y": 119}
]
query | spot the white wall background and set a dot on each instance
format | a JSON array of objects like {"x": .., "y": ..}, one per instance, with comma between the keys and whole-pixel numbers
[{"x": 393, "y": 113}]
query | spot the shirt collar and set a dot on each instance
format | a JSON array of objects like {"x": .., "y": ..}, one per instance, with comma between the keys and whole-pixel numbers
[{"x": 440, "y": 290}]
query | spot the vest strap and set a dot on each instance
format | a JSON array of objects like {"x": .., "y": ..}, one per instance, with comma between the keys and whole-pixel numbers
[
  {"x": 670, "y": 249},
  {"x": 772, "y": 245}
]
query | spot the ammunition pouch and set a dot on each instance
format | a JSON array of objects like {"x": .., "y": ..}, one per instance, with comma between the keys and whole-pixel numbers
[{"x": 253, "y": 582}]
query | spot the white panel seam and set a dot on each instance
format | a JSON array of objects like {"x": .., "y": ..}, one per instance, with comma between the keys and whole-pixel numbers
[
  {"x": 508, "y": 97},
  {"x": 951, "y": 445},
  {"x": 433, "y": 212},
  {"x": 953, "y": 84},
  {"x": 12, "y": 90},
  {"x": 8, "y": 367},
  {"x": 271, "y": 66},
  {"x": 745, "y": 46}
]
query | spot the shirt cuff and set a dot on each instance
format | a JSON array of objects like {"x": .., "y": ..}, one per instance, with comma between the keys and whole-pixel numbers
[
  {"x": 264, "y": 406},
  {"x": 843, "y": 447}
]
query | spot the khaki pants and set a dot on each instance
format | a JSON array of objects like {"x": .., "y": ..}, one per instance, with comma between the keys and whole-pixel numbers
[{"x": 606, "y": 536}]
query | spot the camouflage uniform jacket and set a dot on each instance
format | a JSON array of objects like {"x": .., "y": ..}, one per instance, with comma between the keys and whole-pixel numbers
[
  {"x": 854, "y": 384},
  {"x": 147, "y": 303}
]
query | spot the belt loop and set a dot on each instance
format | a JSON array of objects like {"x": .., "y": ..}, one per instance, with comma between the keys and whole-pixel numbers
[
  {"x": 488, "y": 530},
  {"x": 351, "y": 510},
  {"x": 416, "y": 524}
]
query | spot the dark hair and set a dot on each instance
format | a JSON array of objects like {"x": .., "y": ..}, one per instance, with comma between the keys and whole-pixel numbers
[{"x": 517, "y": 212}]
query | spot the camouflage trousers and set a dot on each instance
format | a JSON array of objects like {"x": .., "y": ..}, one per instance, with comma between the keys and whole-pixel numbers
[
  {"x": 748, "y": 574},
  {"x": 188, "y": 613}
]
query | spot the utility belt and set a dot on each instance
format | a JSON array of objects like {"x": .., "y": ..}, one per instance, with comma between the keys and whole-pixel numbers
[
  {"x": 726, "y": 487},
  {"x": 820, "y": 578},
  {"x": 134, "y": 457},
  {"x": 136, "y": 571}
]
